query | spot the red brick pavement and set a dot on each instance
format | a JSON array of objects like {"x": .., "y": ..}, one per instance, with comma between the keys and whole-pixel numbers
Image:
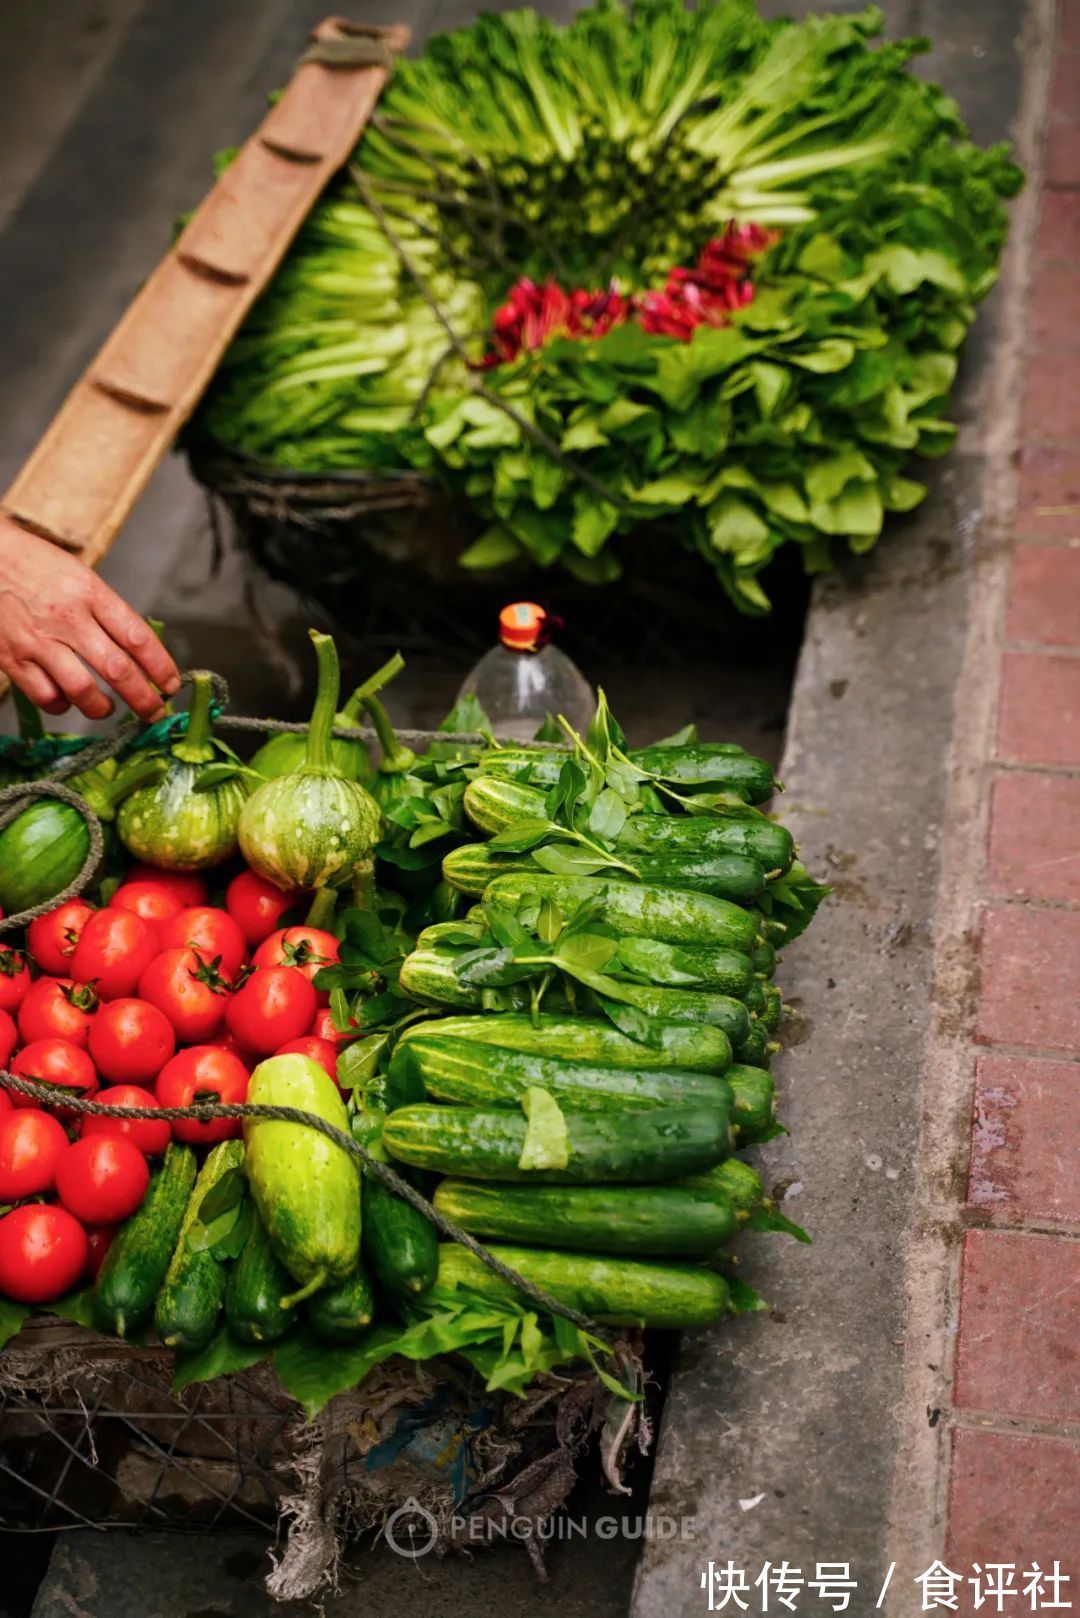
[{"x": 1015, "y": 1480}]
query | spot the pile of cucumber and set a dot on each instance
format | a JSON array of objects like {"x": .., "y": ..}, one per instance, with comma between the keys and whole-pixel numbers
[{"x": 632, "y": 1006}]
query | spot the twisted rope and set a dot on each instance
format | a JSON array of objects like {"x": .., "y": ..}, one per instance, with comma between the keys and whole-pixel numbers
[{"x": 209, "y": 1112}]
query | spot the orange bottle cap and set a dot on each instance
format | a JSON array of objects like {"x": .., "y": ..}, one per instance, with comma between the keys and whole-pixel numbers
[{"x": 521, "y": 625}]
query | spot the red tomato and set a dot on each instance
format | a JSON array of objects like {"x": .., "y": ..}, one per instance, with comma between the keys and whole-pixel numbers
[
  {"x": 5, "y": 1103},
  {"x": 188, "y": 887},
  {"x": 14, "y": 978},
  {"x": 256, "y": 905},
  {"x": 203, "y": 1073},
  {"x": 212, "y": 932},
  {"x": 131, "y": 1040},
  {"x": 320, "y": 1050},
  {"x": 114, "y": 949},
  {"x": 307, "y": 948},
  {"x": 101, "y": 1179},
  {"x": 59, "y": 1065},
  {"x": 150, "y": 1137},
  {"x": 9, "y": 1038},
  {"x": 51, "y": 939},
  {"x": 189, "y": 992},
  {"x": 228, "y": 1042},
  {"x": 274, "y": 1006},
  {"x": 58, "y": 1008},
  {"x": 153, "y": 901},
  {"x": 31, "y": 1144},
  {"x": 43, "y": 1252},
  {"x": 98, "y": 1242},
  {"x": 323, "y": 1028}
]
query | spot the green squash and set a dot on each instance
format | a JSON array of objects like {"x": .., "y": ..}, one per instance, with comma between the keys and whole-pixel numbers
[
  {"x": 313, "y": 828},
  {"x": 187, "y": 820},
  {"x": 45, "y": 848},
  {"x": 41, "y": 851},
  {"x": 284, "y": 754}
]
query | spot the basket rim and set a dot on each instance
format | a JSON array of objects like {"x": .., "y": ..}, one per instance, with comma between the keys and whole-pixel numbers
[{"x": 229, "y": 473}]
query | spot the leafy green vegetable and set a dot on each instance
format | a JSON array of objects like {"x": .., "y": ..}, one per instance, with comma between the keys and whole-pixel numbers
[{"x": 614, "y": 149}]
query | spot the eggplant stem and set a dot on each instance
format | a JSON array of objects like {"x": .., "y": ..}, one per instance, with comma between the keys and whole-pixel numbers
[{"x": 318, "y": 757}]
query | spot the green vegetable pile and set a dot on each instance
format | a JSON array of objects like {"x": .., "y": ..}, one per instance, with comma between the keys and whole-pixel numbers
[
  {"x": 610, "y": 152},
  {"x": 552, "y": 1012}
]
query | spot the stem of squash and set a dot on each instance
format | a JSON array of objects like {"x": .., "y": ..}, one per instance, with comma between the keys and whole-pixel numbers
[
  {"x": 353, "y": 710},
  {"x": 321, "y": 911},
  {"x": 318, "y": 1280},
  {"x": 395, "y": 759},
  {"x": 194, "y": 745},
  {"x": 364, "y": 884},
  {"x": 318, "y": 758},
  {"x": 104, "y": 796}
]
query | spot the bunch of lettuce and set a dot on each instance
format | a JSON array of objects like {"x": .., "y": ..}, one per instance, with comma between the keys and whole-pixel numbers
[{"x": 614, "y": 149}]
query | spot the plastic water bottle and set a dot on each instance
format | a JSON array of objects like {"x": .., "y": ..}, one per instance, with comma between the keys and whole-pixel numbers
[{"x": 524, "y": 678}]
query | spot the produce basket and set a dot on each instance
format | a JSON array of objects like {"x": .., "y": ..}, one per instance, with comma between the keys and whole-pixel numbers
[
  {"x": 379, "y": 554},
  {"x": 94, "y": 1437}
]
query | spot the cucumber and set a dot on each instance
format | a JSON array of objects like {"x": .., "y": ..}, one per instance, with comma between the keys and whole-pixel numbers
[
  {"x": 399, "y": 1243},
  {"x": 493, "y": 804},
  {"x": 428, "y": 976},
  {"x": 753, "y": 1049},
  {"x": 473, "y": 866},
  {"x": 754, "y": 1101},
  {"x": 478, "y": 1143},
  {"x": 763, "y": 958},
  {"x": 472, "y": 1073},
  {"x": 342, "y": 1313},
  {"x": 306, "y": 1188},
  {"x": 437, "y": 935},
  {"x": 728, "y": 970},
  {"x": 713, "y": 764},
  {"x": 190, "y": 1300},
  {"x": 695, "y": 1006},
  {"x": 766, "y": 842},
  {"x": 733, "y": 1179},
  {"x": 617, "y": 1292},
  {"x": 673, "y": 915},
  {"x": 660, "y": 1220},
  {"x": 256, "y": 1285},
  {"x": 135, "y": 1265},
  {"x": 585, "y": 1039}
]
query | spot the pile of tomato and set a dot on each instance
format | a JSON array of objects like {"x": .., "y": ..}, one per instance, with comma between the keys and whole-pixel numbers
[{"x": 157, "y": 999}]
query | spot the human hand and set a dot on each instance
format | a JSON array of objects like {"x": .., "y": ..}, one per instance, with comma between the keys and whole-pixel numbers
[{"x": 57, "y": 616}]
